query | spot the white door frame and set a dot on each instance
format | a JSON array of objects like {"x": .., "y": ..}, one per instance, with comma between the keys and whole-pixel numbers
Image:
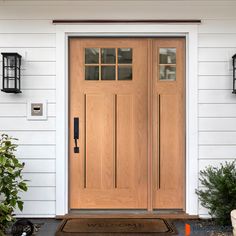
[{"x": 117, "y": 30}]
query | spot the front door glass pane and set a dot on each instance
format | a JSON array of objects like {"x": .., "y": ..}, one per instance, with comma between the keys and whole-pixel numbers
[
  {"x": 125, "y": 73},
  {"x": 125, "y": 55},
  {"x": 168, "y": 73},
  {"x": 108, "y": 73},
  {"x": 167, "y": 55},
  {"x": 91, "y": 72},
  {"x": 108, "y": 55},
  {"x": 91, "y": 55}
]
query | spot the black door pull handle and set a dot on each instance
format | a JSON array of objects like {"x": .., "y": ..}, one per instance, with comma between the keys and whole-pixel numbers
[{"x": 76, "y": 134}]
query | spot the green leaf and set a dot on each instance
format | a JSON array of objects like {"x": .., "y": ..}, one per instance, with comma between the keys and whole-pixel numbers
[
  {"x": 23, "y": 186},
  {"x": 13, "y": 202},
  {"x": 9, "y": 218},
  {"x": 20, "y": 205},
  {"x": 3, "y": 160}
]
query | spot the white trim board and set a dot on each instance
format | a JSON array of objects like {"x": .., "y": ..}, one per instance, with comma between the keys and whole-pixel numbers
[{"x": 130, "y": 30}]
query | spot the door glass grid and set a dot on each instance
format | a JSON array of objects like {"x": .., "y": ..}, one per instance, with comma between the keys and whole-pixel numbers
[
  {"x": 167, "y": 64},
  {"x": 108, "y": 64}
]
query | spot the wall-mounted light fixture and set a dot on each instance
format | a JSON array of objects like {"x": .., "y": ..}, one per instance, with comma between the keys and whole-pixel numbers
[
  {"x": 11, "y": 69},
  {"x": 234, "y": 73}
]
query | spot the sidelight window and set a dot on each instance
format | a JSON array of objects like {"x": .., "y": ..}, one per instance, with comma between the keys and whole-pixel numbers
[{"x": 167, "y": 64}]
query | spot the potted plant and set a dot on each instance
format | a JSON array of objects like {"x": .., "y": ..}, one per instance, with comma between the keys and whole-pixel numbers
[
  {"x": 233, "y": 220},
  {"x": 11, "y": 182},
  {"x": 218, "y": 194}
]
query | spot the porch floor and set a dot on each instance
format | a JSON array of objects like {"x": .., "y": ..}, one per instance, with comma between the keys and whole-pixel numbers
[{"x": 48, "y": 227}]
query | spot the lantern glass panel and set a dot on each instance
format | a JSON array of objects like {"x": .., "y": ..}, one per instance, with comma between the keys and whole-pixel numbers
[
  {"x": 18, "y": 62},
  {"x": 18, "y": 83},
  {"x": 9, "y": 72},
  {"x": 11, "y": 61},
  {"x": 18, "y": 73},
  {"x": 11, "y": 83}
]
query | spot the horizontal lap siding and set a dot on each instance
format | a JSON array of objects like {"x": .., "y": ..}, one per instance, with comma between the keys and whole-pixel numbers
[
  {"x": 35, "y": 41},
  {"x": 38, "y": 209},
  {"x": 40, "y": 179},
  {"x": 11, "y": 110},
  {"x": 43, "y": 152},
  {"x": 36, "y": 94},
  {"x": 217, "y": 104},
  {"x": 21, "y": 124}
]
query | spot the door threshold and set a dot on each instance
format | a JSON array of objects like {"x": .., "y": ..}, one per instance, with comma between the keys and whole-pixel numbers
[{"x": 166, "y": 214}]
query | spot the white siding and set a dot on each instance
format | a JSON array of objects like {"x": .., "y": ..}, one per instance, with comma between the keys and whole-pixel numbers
[
  {"x": 38, "y": 209},
  {"x": 217, "y": 105},
  {"x": 35, "y": 41},
  {"x": 11, "y": 110},
  {"x": 25, "y": 27}
]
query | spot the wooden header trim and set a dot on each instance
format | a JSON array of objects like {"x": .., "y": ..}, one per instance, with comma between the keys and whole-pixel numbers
[{"x": 126, "y": 21}]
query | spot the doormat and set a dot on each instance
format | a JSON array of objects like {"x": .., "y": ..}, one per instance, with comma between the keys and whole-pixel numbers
[{"x": 103, "y": 226}]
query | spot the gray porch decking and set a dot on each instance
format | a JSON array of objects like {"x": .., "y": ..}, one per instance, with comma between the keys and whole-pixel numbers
[{"x": 198, "y": 227}]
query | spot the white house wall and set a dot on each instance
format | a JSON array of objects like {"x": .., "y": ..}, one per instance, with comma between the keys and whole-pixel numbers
[{"x": 25, "y": 27}]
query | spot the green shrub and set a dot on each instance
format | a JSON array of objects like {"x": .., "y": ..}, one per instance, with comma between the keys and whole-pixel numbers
[
  {"x": 11, "y": 182},
  {"x": 219, "y": 191}
]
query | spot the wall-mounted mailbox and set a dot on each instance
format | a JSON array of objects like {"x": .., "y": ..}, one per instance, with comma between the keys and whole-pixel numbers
[{"x": 37, "y": 110}]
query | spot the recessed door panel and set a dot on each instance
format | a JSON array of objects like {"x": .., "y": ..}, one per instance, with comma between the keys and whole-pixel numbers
[
  {"x": 110, "y": 172},
  {"x": 99, "y": 141},
  {"x": 125, "y": 145}
]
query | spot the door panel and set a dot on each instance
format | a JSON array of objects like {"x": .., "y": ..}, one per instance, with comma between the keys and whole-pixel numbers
[
  {"x": 110, "y": 172},
  {"x": 168, "y": 128},
  {"x": 125, "y": 146},
  {"x": 98, "y": 148}
]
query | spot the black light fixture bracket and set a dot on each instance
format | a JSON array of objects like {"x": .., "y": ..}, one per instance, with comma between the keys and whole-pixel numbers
[{"x": 234, "y": 73}]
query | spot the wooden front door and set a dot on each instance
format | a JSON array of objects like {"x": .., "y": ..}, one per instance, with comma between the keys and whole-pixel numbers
[
  {"x": 127, "y": 110},
  {"x": 108, "y": 93}
]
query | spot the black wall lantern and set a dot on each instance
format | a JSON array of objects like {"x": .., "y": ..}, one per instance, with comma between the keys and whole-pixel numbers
[
  {"x": 11, "y": 63},
  {"x": 234, "y": 73}
]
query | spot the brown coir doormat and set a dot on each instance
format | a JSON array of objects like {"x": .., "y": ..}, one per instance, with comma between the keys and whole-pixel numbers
[{"x": 82, "y": 227}]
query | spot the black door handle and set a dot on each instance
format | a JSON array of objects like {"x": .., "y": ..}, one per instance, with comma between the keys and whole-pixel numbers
[{"x": 76, "y": 134}]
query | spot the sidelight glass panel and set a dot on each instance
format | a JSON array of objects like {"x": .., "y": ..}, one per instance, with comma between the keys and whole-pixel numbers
[
  {"x": 91, "y": 72},
  {"x": 108, "y": 73},
  {"x": 108, "y": 55},
  {"x": 91, "y": 55},
  {"x": 167, "y": 56},
  {"x": 167, "y": 73},
  {"x": 125, "y": 73},
  {"x": 125, "y": 55}
]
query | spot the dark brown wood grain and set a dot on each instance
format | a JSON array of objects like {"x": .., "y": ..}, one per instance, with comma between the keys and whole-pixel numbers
[{"x": 152, "y": 21}]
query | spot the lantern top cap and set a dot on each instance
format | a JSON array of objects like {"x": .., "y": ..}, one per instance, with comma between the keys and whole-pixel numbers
[
  {"x": 11, "y": 54},
  {"x": 234, "y": 56}
]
